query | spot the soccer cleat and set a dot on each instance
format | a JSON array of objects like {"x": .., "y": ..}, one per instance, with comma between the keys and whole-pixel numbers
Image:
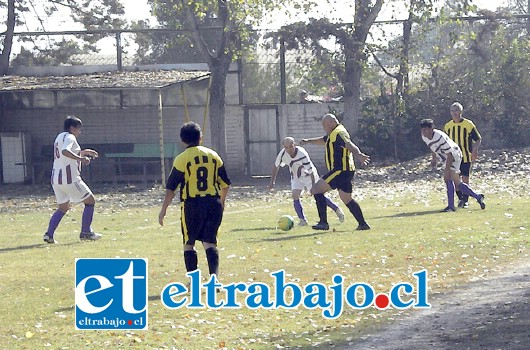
[
  {"x": 89, "y": 236},
  {"x": 48, "y": 239},
  {"x": 302, "y": 222},
  {"x": 480, "y": 201},
  {"x": 340, "y": 214},
  {"x": 321, "y": 226},
  {"x": 363, "y": 227},
  {"x": 462, "y": 203},
  {"x": 448, "y": 209}
]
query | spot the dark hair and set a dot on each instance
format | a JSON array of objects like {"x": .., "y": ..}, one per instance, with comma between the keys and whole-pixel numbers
[
  {"x": 190, "y": 133},
  {"x": 72, "y": 122},
  {"x": 426, "y": 123}
]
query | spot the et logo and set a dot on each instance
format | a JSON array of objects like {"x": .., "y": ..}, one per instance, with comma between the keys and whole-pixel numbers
[{"x": 110, "y": 294}]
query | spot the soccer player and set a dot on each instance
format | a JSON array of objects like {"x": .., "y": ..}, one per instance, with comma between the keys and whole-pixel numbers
[
  {"x": 200, "y": 174},
  {"x": 341, "y": 168},
  {"x": 67, "y": 183},
  {"x": 303, "y": 176},
  {"x": 462, "y": 131},
  {"x": 447, "y": 150}
]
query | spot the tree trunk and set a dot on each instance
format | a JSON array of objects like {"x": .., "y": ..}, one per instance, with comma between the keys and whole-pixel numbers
[
  {"x": 219, "y": 72},
  {"x": 528, "y": 19},
  {"x": 402, "y": 84},
  {"x": 8, "y": 38},
  {"x": 352, "y": 96}
]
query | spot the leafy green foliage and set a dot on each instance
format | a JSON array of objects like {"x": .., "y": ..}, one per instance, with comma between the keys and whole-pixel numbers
[
  {"x": 57, "y": 54},
  {"x": 487, "y": 71},
  {"x": 97, "y": 14}
]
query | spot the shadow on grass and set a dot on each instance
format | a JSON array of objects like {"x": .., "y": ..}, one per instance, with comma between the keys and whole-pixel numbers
[
  {"x": 31, "y": 246},
  {"x": 253, "y": 229},
  {"x": 65, "y": 309},
  {"x": 153, "y": 297},
  {"x": 283, "y": 237},
  {"x": 414, "y": 213}
]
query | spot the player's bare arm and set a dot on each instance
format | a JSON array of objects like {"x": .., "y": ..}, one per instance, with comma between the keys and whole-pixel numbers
[
  {"x": 168, "y": 198},
  {"x": 224, "y": 194},
  {"x": 273, "y": 177},
  {"x": 85, "y": 160},
  {"x": 314, "y": 141},
  {"x": 89, "y": 152},
  {"x": 434, "y": 160},
  {"x": 474, "y": 152},
  {"x": 364, "y": 159}
]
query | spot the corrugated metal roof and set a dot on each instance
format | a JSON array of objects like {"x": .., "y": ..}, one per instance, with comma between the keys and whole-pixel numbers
[{"x": 98, "y": 81}]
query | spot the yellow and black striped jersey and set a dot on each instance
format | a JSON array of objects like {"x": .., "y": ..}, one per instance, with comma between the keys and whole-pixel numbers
[
  {"x": 199, "y": 171},
  {"x": 338, "y": 157},
  {"x": 463, "y": 133}
]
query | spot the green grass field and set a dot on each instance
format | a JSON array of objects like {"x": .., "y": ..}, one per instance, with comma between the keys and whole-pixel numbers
[{"x": 408, "y": 234}]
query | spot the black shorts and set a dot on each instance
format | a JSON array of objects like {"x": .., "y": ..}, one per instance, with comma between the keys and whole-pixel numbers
[
  {"x": 465, "y": 169},
  {"x": 200, "y": 219},
  {"x": 339, "y": 179}
]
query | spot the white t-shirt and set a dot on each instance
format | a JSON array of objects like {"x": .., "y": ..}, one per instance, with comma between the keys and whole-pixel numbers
[
  {"x": 65, "y": 170},
  {"x": 441, "y": 144},
  {"x": 300, "y": 165}
]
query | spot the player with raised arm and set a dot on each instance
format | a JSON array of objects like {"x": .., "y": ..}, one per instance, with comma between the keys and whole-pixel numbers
[{"x": 341, "y": 169}]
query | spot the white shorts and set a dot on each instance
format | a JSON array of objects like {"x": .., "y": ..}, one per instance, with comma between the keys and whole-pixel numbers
[
  {"x": 75, "y": 192},
  {"x": 303, "y": 182},
  {"x": 457, "y": 156}
]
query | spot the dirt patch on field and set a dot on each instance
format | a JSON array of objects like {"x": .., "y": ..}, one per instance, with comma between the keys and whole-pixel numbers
[{"x": 493, "y": 313}]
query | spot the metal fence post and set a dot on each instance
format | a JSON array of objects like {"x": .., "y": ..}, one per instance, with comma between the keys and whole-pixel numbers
[
  {"x": 119, "y": 52},
  {"x": 283, "y": 82}
]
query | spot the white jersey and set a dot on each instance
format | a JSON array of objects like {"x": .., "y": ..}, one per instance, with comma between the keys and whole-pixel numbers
[
  {"x": 300, "y": 165},
  {"x": 442, "y": 145},
  {"x": 65, "y": 170}
]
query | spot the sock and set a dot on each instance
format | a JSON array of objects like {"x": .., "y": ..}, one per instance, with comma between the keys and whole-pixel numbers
[
  {"x": 466, "y": 190},
  {"x": 190, "y": 260},
  {"x": 355, "y": 209},
  {"x": 54, "y": 222},
  {"x": 299, "y": 209},
  {"x": 320, "y": 199},
  {"x": 212, "y": 255},
  {"x": 86, "y": 221},
  {"x": 331, "y": 204},
  {"x": 459, "y": 194},
  {"x": 450, "y": 193}
]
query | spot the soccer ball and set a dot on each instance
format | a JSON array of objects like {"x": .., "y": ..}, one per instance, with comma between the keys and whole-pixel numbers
[{"x": 285, "y": 222}]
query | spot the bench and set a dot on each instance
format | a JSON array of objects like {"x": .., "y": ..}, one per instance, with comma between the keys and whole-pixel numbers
[
  {"x": 116, "y": 162},
  {"x": 142, "y": 163}
]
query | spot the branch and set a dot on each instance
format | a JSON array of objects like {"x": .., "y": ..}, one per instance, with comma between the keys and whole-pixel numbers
[
  {"x": 382, "y": 66},
  {"x": 202, "y": 46},
  {"x": 37, "y": 15},
  {"x": 224, "y": 15},
  {"x": 72, "y": 7}
]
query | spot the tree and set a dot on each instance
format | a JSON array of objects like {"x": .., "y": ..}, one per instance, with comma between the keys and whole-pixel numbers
[
  {"x": 232, "y": 21},
  {"x": 352, "y": 38},
  {"x": 96, "y": 14},
  {"x": 8, "y": 38}
]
